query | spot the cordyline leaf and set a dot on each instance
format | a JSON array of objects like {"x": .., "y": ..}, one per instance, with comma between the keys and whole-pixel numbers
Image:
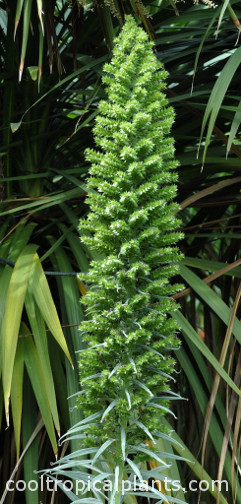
[
  {"x": 213, "y": 395},
  {"x": 29, "y": 442},
  {"x": 235, "y": 444},
  {"x": 224, "y": 7},
  {"x": 39, "y": 288},
  {"x": 17, "y": 394},
  {"x": 40, "y": 13},
  {"x": 11, "y": 250},
  {"x": 29, "y": 422},
  {"x": 38, "y": 383},
  {"x": 217, "y": 95},
  {"x": 27, "y": 274},
  {"x": 12, "y": 317},
  {"x": 40, "y": 56},
  {"x": 62, "y": 82},
  {"x": 18, "y": 15},
  {"x": 26, "y": 26},
  {"x": 198, "y": 52},
  {"x": 194, "y": 465},
  {"x": 211, "y": 298},
  {"x": 40, "y": 338},
  {"x": 193, "y": 336},
  {"x": 234, "y": 127}
]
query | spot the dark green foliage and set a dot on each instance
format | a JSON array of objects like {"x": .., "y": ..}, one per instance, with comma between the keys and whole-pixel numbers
[{"x": 125, "y": 370}]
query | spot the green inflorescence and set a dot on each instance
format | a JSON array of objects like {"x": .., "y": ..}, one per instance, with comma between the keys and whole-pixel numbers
[{"x": 125, "y": 369}]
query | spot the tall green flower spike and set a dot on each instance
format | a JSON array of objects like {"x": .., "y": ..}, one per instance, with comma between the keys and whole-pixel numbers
[{"x": 126, "y": 368}]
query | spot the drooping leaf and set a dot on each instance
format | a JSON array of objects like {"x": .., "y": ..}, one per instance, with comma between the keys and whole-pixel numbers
[
  {"x": 17, "y": 393},
  {"x": 40, "y": 338},
  {"x": 12, "y": 317},
  {"x": 217, "y": 95},
  {"x": 35, "y": 373},
  {"x": 27, "y": 8},
  {"x": 39, "y": 288}
]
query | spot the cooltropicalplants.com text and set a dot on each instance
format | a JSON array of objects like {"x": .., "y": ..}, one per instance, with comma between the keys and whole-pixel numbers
[{"x": 81, "y": 486}]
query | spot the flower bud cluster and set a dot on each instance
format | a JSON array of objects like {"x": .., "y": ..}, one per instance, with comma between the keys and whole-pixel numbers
[{"x": 126, "y": 368}]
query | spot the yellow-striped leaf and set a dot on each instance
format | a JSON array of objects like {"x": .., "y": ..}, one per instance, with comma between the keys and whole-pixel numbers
[
  {"x": 12, "y": 317},
  {"x": 40, "y": 289}
]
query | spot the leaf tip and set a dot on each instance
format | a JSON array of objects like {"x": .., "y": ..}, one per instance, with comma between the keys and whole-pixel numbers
[
  {"x": 20, "y": 70},
  {"x": 14, "y": 126}
]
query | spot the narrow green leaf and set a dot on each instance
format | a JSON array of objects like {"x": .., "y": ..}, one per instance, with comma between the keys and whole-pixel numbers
[
  {"x": 40, "y": 56},
  {"x": 75, "y": 181},
  {"x": 223, "y": 10},
  {"x": 40, "y": 338},
  {"x": 88, "y": 66},
  {"x": 211, "y": 265},
  {"x": 71, "y": 314},
  {"x": 38, "y": 383},
  {"x": 11, "y": 249},
  {"x": 59, "y": 377},
  {"x": 114, "y": 370},
  {"x": 55, "y": 246},
  {"x": 144, "y": 428},
  {"x": 117, "y": 472},
  {"x": 211, "y": 298},
  {"x": 159, "y": 406},
  {"x": 67, "y": 461},
  {"x": 102, "y": 449},
  {"x": 31, "y": 458},
  {"x": 191, "y": 333},
  {"x": 144, "y": 387},
  {"x": 135, "y": 468},
  {"x": 17, "y": 393},
  {"x": 88, "y": 500},
  {"x": 72, "y": 430},
  {"x": 128, "y": 398},
  {"x": 39, "y": 288},
  {"x": 234, "y": 127},
  {"x": 87, "y": 420},
  {"x": 40, "y": 13},
  {"x": 18, "y": 15},
  {"x": 151, "y": 454},
  {"x": 217, "y": 95},
  {"x": 13, "y": 312},
  {"x": 198, "y": 52},
  {"x": 19, "y": 239},
  {"x": 47, "y": 202},
  {"x": 123, "y": 442},
  {"x": 173, "y": 472},
  {"x": 108, "y": 409},
  {"x": 195, "y": 466},
  {"x": 26, "y": 27}
]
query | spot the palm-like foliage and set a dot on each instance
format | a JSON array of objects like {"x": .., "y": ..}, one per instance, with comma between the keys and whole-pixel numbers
[
  {"x": 43, "y": 213},
  {"x": 50, "y": 153}
]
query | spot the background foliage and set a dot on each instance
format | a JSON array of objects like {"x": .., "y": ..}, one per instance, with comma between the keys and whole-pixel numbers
[{"x": 50, "y": 87}]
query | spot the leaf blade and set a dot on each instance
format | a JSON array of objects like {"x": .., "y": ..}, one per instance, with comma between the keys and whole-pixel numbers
[{"x": 12, "y": 317}]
